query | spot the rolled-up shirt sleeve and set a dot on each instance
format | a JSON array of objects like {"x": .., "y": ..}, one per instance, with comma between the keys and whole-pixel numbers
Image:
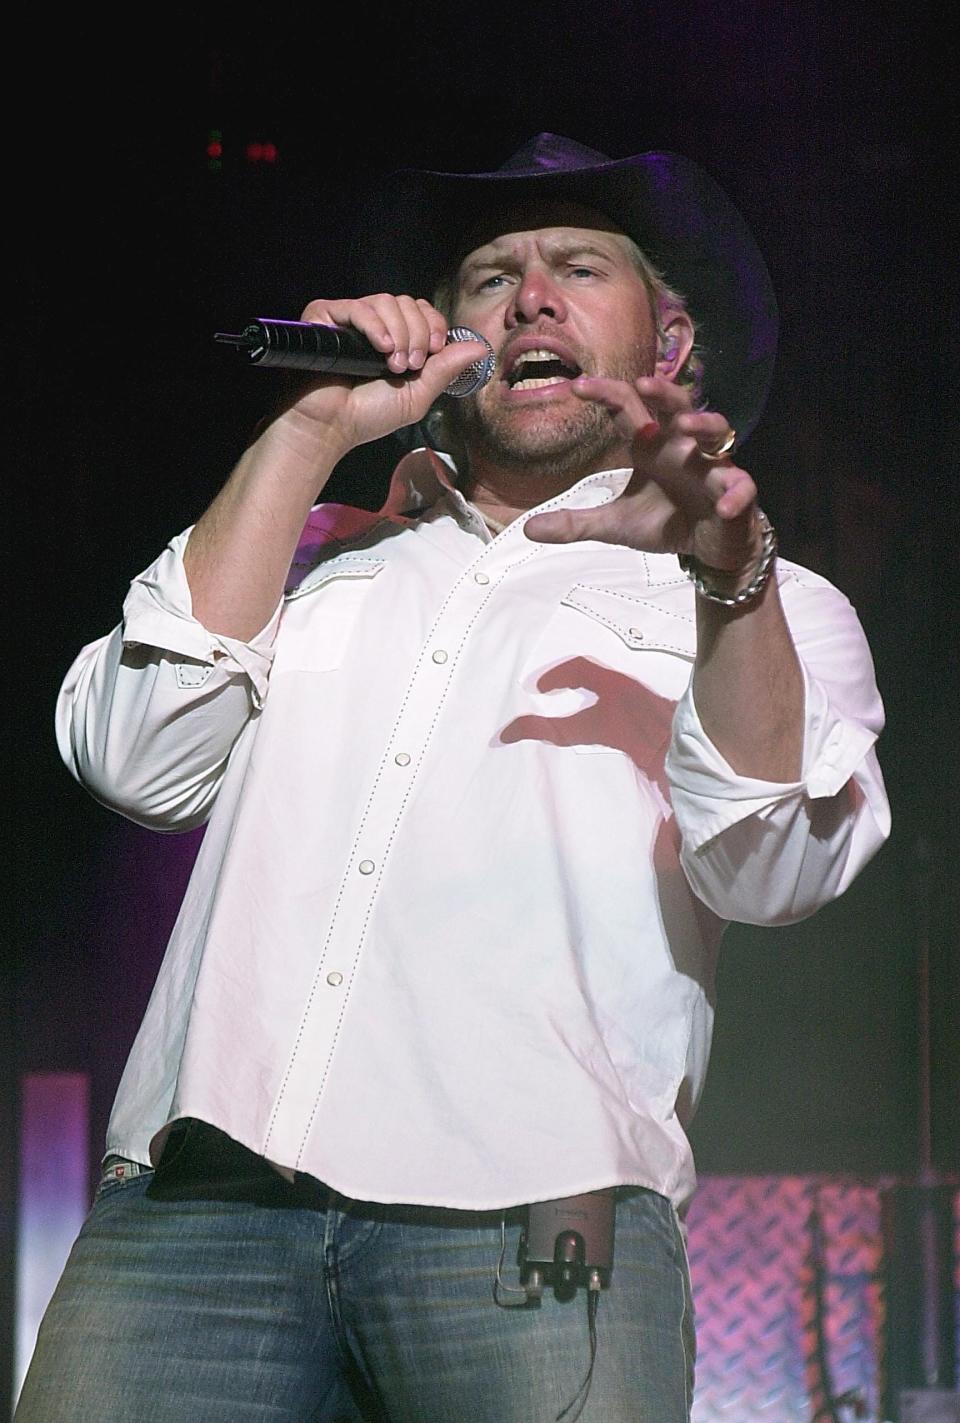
[
  {"x": 761, "y": 852},
  {"x": 121, "y": 717}
]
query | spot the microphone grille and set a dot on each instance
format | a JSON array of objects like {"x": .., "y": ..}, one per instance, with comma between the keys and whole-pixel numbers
[{"x": 478, "y": 372}]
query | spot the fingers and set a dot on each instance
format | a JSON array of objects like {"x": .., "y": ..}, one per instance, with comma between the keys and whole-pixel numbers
[
  {"x": 739, "y": 492},
  {"x": 677, "y": 498},
  {"x": 675, "y": 446},
  {"x": 663, "y": 394},
  {"x": 633, "y": 417},
  {"x": 654, "y": 407},
  {"x": 709, "y": 430},
  {"x": 406, "y": 329}
]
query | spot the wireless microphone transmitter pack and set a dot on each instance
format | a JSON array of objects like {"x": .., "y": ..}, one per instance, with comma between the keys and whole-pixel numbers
[{"x": 567, "y": 1243}]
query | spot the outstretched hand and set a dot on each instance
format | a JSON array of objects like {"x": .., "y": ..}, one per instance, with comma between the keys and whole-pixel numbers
[{"x": 678, "y": 500}]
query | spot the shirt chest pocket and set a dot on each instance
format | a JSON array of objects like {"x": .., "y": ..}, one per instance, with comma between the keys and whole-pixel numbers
[
  {"x": 651, "y": 639},
  {"x": 321, "y": 614}
]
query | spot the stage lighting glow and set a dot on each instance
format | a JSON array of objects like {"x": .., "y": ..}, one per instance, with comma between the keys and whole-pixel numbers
[{"x": 54, "y": 1194}]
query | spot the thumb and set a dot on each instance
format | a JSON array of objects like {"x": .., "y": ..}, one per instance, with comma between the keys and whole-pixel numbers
[
  {"x": 565, "y": 526},
  {"x": 442, "y": 369}
]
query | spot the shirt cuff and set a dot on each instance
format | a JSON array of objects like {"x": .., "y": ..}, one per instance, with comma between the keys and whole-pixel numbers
[
  {"x": 158, "y": 612},
  {"x": 708, "y": 796}
]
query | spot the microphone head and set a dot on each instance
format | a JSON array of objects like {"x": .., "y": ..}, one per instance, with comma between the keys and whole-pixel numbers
[{"x": 478, "y": 372}]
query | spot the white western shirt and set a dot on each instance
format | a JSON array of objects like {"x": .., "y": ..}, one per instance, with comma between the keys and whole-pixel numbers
[{"x": 452, "y": 932}]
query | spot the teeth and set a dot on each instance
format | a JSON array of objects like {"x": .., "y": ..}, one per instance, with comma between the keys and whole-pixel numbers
[
  {"x": 538, "y": 358},
  {"x": 542, "y": 354}
]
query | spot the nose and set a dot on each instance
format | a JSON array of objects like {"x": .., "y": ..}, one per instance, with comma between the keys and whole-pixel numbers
[{"x": 537, "y": 294}]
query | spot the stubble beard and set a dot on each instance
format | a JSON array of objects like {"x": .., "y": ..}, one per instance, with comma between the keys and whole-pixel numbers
[
  {"x": 548, "y": 444},
  {"x": 544, "y": 442}
]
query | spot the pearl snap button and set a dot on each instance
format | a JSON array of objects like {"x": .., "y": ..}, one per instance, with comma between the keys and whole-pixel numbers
[
  {"x": 366, "y": 867},
  {"x": 439, "y": 655},
  {"x": 334, "y": 979},
  {"x": 481, "y": 578},
  {"x": 402, "y": 759}
]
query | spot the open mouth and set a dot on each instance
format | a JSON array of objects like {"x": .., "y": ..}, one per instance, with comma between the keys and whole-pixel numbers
[{"x": 534, "y": 369}]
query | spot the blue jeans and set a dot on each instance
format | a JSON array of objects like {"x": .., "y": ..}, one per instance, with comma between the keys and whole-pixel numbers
[{"x": 299, "y": 1305}]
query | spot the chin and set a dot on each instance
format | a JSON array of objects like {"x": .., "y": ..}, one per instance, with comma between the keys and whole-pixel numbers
[{"x": 567, "y": 440}]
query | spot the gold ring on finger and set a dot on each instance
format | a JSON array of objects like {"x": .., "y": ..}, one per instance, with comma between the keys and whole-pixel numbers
[{"x": 721, "y": 452}]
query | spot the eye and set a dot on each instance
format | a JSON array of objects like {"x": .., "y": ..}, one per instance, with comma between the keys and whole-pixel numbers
[
  {"x": 581, "y": 272},
  {"x": 491, "y": 283}
]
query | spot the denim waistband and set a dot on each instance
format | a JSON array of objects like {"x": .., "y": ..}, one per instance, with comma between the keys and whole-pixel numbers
[{"x": 121, "y": 1168}]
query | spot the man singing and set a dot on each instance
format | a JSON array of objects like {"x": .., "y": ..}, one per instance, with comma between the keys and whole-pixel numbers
[{"x": 484, "y": 775}]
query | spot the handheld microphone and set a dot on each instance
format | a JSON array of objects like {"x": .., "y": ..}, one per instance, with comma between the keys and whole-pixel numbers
[{"x": 339, "y": 350}]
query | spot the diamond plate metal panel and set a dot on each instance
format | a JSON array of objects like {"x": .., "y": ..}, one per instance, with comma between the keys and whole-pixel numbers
[{"x": 762, "y": 1250}]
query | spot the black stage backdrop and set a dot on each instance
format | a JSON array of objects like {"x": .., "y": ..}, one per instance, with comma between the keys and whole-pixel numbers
[{"x": 828, "y": 126}]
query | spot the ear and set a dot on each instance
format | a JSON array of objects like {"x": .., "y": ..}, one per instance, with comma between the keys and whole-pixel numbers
[{"x": 675, "y": 344}]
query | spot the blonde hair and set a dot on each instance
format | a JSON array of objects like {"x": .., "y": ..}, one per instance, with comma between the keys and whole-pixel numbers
[{"x": 666, "y": 301}]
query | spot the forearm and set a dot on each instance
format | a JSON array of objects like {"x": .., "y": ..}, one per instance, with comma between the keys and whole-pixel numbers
[
  {"x": 748, "y": 687},
  {"x": 239, "y": 553}
]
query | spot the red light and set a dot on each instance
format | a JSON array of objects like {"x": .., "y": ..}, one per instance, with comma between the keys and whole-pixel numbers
[
  {"x": 215, "y": 149},
  {"x": 258, "y": 152}
]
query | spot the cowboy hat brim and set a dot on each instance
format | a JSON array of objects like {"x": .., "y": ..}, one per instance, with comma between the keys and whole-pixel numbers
[{"x": 412, "y": 226}]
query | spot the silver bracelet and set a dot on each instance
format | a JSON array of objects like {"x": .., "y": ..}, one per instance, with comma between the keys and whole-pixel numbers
[{"x": 694, "y": 570}]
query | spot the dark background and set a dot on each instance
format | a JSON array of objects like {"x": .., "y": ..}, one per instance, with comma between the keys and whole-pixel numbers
[{"x": 831, "y": 130}]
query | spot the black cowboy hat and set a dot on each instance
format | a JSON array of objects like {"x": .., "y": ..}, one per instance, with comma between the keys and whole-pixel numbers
[{"x": 413, "y": 224}]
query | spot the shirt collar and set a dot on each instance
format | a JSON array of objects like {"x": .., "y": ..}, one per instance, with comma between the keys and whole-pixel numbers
[{"x": 425, "y": 478}]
